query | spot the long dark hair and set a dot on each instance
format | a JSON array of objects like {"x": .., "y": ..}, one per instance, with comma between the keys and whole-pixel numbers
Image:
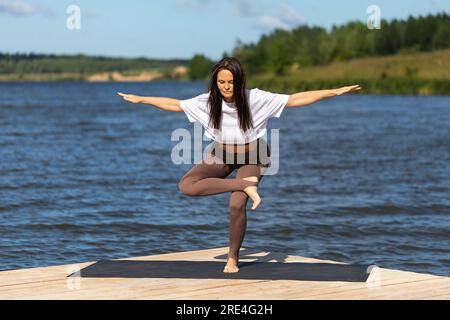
[{"x": 239, "y": 93}]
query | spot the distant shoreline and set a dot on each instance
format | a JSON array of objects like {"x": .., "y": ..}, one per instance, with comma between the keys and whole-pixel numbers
[
  {"x": 179, "y": 72},
  {"x": 419, "y": 73}
]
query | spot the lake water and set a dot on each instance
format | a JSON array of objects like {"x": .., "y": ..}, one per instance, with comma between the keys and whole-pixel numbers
[{"x": 86, "y": 176}]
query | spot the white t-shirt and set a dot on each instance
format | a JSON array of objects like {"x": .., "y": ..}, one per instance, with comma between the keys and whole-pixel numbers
[{"x": 263, "y": 105}]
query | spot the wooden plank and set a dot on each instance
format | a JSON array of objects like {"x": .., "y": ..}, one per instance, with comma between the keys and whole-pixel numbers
[
  {"x": 285, "y": 287},
  {"x": 113, "y": 283},
  {"x": 122, "y": 290},
  {"x": 440, "y": 296},
  {"x": 32, "y": 275},
  {"x": 276, "y": 291},
  {"x": 192, "y": 288},
  {"x": 35, "y": 276},
  {"x": 399, "y": 290}
]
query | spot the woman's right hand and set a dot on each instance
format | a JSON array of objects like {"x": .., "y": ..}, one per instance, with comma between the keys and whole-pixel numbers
[{"x": 130, "y": 97}]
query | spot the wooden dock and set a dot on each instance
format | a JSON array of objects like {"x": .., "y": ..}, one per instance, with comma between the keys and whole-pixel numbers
[{"x": 197, "y": 275}]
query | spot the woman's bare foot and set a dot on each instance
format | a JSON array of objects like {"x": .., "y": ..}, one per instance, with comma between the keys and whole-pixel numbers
[
  {"x": 252, "y": 192},
  {"x": 231, "y": 266}
]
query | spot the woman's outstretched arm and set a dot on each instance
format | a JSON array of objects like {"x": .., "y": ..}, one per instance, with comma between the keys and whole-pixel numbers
[
  {"x": 167, "y": 104},
  {"x": 307, "y": 97}
]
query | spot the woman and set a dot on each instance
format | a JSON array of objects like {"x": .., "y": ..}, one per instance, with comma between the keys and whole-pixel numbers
[{"x": 230, "y": 113}]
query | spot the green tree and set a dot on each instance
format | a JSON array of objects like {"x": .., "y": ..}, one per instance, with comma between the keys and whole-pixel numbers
[
  {"x": 441, "y": 39},
  {"x": 199, "y": 67}
]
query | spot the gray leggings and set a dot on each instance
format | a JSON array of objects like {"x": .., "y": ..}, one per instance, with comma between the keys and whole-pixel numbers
[{"x": 205, "y": 178}]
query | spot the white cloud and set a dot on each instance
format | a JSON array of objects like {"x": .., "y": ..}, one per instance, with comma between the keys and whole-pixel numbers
[
  {"x": 269, "y": 23},
  {"x": 289, "y": 15},
  {"x": 22, "y": 8},
  {"x": 246, "y": 8},
  {"x": 282, "y": 16}
]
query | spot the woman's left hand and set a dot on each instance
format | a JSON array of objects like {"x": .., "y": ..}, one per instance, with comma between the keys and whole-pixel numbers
[{"x": 347, "y": 89}]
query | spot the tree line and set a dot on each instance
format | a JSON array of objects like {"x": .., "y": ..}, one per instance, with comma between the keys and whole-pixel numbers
[
  {"x": 307, "y": 46},
  {"x": 22, "y": 63}
]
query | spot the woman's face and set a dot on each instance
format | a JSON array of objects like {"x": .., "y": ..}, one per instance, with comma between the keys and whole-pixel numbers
[{"x": 225, "y": 84}]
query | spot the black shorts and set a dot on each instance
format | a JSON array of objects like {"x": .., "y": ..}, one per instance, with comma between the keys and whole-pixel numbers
[{"x": 255, "y": 152}]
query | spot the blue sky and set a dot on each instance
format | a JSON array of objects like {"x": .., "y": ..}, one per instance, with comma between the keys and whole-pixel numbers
[{"x": 176, "y": 28}]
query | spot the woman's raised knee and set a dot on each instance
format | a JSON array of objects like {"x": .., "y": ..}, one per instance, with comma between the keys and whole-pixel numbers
[{"x": 187, "y": 187}]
